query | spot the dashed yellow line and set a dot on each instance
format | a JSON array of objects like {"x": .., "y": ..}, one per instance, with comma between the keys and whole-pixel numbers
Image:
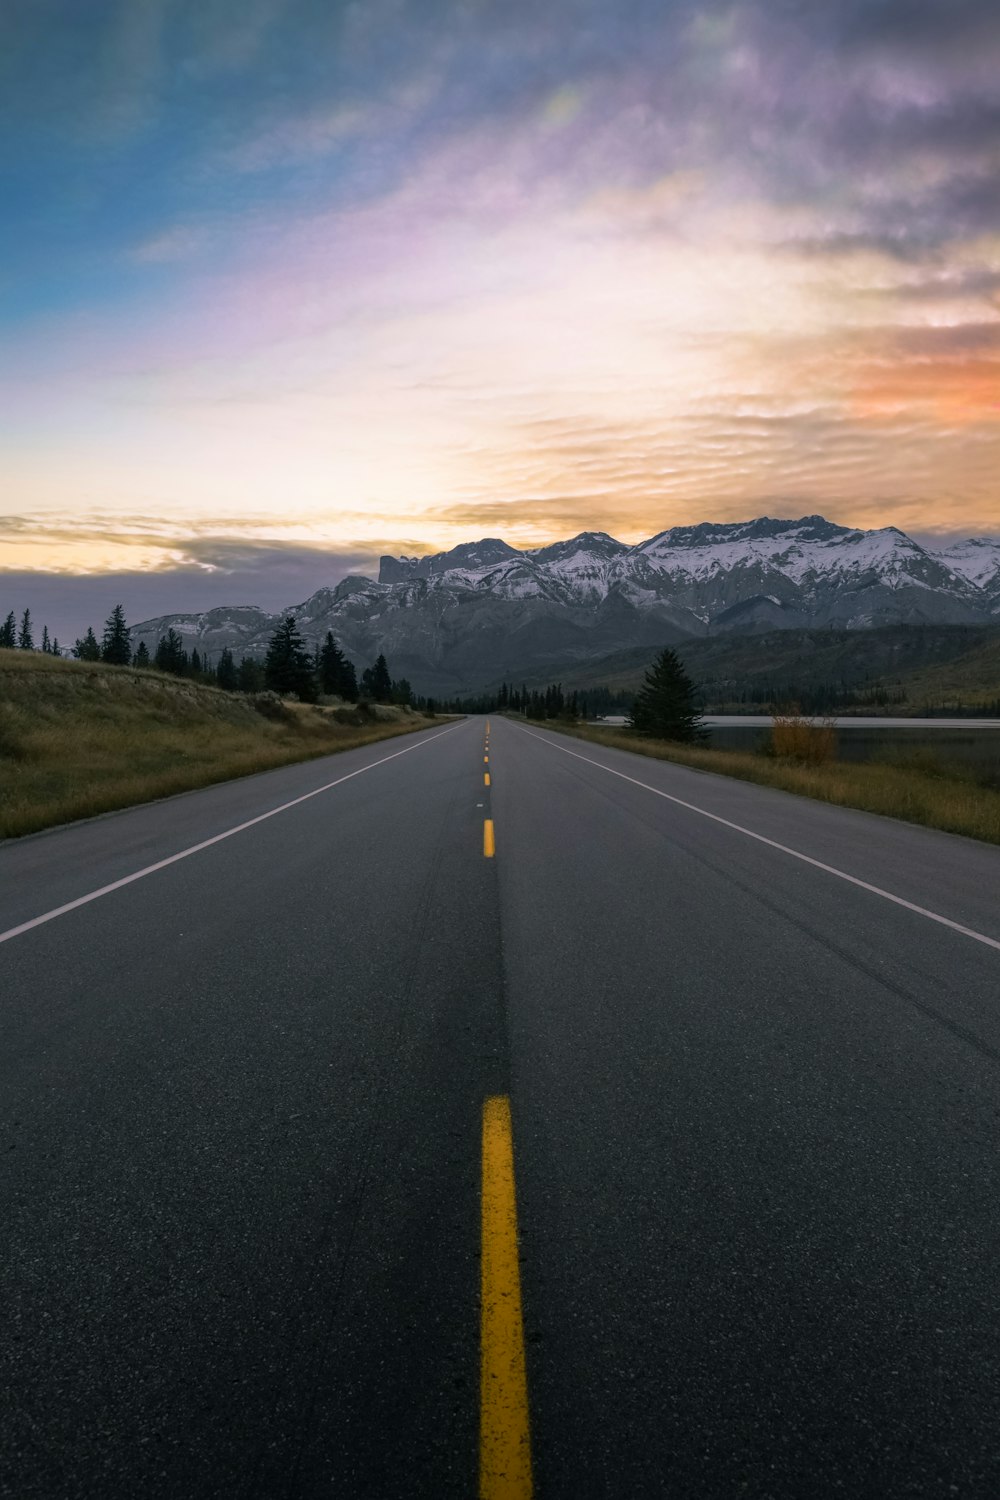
[
  {"x": 486, "y": 760},
  {"x": 504, "y": 1434},
  {"x": 486, "y": 778},
  {"x": 489, "y": 844}
]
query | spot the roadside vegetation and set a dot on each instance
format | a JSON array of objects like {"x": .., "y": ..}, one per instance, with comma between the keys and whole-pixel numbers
[
  {"x": 917, "y": 789},
  {"x": 82, "y": 737},
  {"x": 799, "y": 755}
]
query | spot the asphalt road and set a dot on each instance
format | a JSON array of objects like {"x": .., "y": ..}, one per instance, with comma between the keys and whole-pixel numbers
[{"x": 754, "y": 1088}]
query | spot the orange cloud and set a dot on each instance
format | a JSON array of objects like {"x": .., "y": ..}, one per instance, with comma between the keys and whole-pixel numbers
[{"x": 953, "y": 391}]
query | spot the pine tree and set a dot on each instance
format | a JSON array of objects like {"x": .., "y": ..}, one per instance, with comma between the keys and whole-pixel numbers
[
  {"x": 288, "y": 667},
  {"x": 88, "y": 649},
  {"x": 141, "y": 657},
  {"x": 402, "y": 692},
  {"x": 349, "y": 691},
  {"x": 331, "y": 663},
  {"x": 665, "y": 704},
  {"x": 249, "y": 676},
  {"x": 195, "y": 666},
  {"x": 56, "y": 648},
  {"x": 225, "y": 672},
  {"x": 376, "y": 682},
  {"x": 116, "y": 646},
  {"x": 8, "y": 633},
  {"x": 170, "y": 654},
  {"x": 24, "y": 639},
  {"x": 46, "y": 643}
]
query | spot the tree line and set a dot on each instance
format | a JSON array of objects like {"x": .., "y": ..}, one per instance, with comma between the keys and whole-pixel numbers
[
  {"x": 288, "y": 667},
  {"x": 21, "y": 637},
  {"x": 539, "y": 703},
  {"x": 666, "y": 706}
]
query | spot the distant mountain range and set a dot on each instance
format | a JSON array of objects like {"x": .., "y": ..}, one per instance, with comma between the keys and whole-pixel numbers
[{"x": 468, "y": 618}]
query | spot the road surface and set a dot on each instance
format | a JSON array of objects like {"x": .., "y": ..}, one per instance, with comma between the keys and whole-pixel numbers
[{"x": 257, "y": 1200}]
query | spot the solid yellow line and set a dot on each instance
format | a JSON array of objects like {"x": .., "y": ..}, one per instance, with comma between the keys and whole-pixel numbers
[
  {"x": 486, "y": 778},
  {"x": 489, "y": 846},
  {"x": 504, "y": 1438}
]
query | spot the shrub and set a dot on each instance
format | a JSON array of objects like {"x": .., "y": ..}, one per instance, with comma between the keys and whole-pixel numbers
[
  {"x": 12, "y": 745},
  {"x": 809, "y": 741}
]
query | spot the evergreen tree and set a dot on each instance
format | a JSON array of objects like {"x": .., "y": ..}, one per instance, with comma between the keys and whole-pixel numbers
[
  {"x": 288, "y": 667},
  {"x": 46, "y": 643},
  {"x": 170, "y": 654},
  {"x": 665, "y": 704},
  {"x": 141, "y": 657},
  {"x": 250, "y": 676},
  {"x": 8, "y": 632},
  {"x": 331, "y": 665},
  {"x": 225, "y": 672},
  {"x": 350, "y": 681},
  {"x": 430, "y": 708},
  {"x": 56, "y": 648},
  {"x": 24, "y": 639},
  {"x": 381, "y": 681},
  {"x": 402, "y": 692},
  {"x": 116, "y": 646},
  {"x": 195, "y": 663},
  {"x": 376, "y": 682},
  {"x": 88, "y": 649}
]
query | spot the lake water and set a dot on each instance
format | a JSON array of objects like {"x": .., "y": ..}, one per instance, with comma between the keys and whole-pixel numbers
[{"x": 966, "y": 741}]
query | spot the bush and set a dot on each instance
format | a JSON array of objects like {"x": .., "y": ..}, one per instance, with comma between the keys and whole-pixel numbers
[
  {"x": 810, "y": 741},
  {"x": 272, "y": 707},
  {"x": 12, "y": 745}
]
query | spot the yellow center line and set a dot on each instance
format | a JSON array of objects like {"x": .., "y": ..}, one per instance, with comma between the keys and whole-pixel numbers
[
  {"x": 486, "y": 760},
  {"x": 489, "y": 846},
  {"x": 486, "y": 778},
  {"x": 504, "y": 1437}
]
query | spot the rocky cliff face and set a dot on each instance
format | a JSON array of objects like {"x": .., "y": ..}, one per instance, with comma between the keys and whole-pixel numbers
[{"x": 482, "y": 611}]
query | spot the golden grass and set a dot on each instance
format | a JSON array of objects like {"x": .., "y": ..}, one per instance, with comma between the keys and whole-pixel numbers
[
  {"x": 81, "y": 738},
  {"x": 809, "y": 741},
  {"x": 935, "y": 798}
]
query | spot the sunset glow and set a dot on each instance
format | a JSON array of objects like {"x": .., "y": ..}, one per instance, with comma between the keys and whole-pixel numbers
[{"x": 335, "y": 279}]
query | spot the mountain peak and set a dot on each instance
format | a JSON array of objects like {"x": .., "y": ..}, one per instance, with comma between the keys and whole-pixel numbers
[
  {"x": 455, "y": 620},
  {"x": 481, "y": 554}
]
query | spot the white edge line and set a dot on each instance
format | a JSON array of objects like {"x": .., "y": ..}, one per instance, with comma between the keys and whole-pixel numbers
[
  {"x": 116, "y": 885},
  {"x": 876, "y": 890}
]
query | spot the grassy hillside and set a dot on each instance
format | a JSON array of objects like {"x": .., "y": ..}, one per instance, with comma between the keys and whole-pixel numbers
[
  {"x": 916, "y": 666},
  {"x": 78, "y": 738}
]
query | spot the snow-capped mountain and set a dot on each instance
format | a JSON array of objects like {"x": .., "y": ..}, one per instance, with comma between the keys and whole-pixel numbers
[
  {"x": 458, "y": 619},
  {"x": 978, "y": 560}
]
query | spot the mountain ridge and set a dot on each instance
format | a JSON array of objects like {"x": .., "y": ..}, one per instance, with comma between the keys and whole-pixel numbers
[{"x": 452, "y": 621}]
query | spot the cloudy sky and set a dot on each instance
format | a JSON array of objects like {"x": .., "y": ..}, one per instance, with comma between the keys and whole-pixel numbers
[{"x": 287, "y": 283}]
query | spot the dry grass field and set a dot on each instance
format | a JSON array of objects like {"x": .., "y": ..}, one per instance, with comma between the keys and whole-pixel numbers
[
  {"x": 951, "y": 798},
  {"x": 79, "y": 738}
]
